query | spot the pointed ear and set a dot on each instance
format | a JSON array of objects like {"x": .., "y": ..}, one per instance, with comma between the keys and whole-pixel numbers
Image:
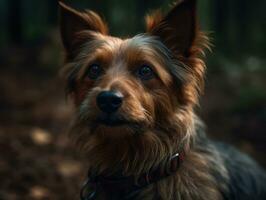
[
  {"x": 73, "y": 22},
  {"x": 177, "y": 29}
]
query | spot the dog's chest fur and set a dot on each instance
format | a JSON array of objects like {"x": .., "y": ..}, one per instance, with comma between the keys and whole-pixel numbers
[
  {"x": 196, "y": 178},
  {"x": 211, "y": 170}
]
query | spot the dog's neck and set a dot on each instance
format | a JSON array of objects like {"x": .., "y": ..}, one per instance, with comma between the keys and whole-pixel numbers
[
  {"x": 141, "y": 153},
  {"x": 126, "y": 187},
  {"x": 191, "y": 156},
  {"x": 119, "y": 183},
  {"x": 193, "y": 171}
]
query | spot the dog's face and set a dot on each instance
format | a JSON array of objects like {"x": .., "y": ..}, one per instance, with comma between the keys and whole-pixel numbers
[
  {"x": 124, "y": 84},
  {"x": 141, "y": 88}
]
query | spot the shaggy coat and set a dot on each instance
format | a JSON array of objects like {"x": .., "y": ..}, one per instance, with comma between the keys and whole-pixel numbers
[{"x": 160, "y": 75}]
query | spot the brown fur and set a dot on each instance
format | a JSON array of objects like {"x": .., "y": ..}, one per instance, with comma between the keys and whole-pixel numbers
[{"x": 160, "y": 110}]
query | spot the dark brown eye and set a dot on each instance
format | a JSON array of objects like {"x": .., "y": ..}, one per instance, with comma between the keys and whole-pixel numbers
[
  {"x": 145, "y": 72},
  {"x": 94, "y": 71}
]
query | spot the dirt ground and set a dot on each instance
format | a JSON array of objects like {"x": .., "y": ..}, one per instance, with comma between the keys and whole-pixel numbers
[{"x": 37, "y": 161}]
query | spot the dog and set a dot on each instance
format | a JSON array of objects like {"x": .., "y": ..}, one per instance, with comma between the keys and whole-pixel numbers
[{"x": 134, "y": 112}]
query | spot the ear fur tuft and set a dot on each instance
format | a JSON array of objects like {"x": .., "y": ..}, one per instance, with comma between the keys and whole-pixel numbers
[
  {"x": 72, "y": 22},
  {"x": 178, "y": 29}
]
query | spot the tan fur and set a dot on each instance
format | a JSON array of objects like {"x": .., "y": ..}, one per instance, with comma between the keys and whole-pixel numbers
[{"x": 153, "y": 19}]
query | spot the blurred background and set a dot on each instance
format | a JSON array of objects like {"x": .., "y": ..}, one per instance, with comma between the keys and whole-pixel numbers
[{"x": 36, "y": 159}]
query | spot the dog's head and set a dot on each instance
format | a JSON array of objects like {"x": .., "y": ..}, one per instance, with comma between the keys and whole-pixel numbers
[{"x": 135, "y": 94}]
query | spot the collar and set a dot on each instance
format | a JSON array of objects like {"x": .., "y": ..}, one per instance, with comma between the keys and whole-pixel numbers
[{"x": 127, "y": 187}]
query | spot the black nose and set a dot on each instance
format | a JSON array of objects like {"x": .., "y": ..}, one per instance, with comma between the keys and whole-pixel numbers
[{"x": 109, "y": 101}]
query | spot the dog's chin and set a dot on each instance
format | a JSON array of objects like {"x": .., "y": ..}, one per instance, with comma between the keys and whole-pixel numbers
[{"x": 111, "y": 126}]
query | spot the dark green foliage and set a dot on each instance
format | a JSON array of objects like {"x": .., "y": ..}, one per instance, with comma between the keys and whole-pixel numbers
[{"x": 238, "y": 26}]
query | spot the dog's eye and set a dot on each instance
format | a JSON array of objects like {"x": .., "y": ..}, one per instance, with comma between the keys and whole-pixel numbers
[
  {"x": 145, "y": 72},
  {"x": 94, "y": 71}
]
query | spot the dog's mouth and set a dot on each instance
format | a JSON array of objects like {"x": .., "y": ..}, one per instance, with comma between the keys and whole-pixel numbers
[{"x": 112, "y": 120}]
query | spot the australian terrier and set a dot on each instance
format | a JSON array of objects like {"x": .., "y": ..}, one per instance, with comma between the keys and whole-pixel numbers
[{"x": 135, "y": 119}]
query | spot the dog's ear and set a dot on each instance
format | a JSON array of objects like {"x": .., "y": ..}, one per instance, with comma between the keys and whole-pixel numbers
[
  {"x": 177, "y": 29},
  {"x": 73, "y": 22}
]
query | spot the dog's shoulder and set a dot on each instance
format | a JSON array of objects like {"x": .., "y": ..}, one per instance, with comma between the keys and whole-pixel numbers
[{"x": 246, "y": 179}]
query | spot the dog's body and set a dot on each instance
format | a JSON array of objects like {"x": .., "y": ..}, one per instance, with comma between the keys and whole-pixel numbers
[{"x": 135, "y": 102}]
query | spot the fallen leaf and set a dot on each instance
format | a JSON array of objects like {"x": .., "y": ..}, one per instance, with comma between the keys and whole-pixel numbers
[
  {"x": 39, "y": 192},
  {"x": 69, "y": 168},
  {"x": 40, "y": 136}
]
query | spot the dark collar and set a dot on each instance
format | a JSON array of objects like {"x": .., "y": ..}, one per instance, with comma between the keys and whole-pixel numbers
[{"x": 126, "y": 187}]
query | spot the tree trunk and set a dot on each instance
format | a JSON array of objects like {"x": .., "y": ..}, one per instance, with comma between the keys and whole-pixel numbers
[{"x": 14, "y": 21}]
